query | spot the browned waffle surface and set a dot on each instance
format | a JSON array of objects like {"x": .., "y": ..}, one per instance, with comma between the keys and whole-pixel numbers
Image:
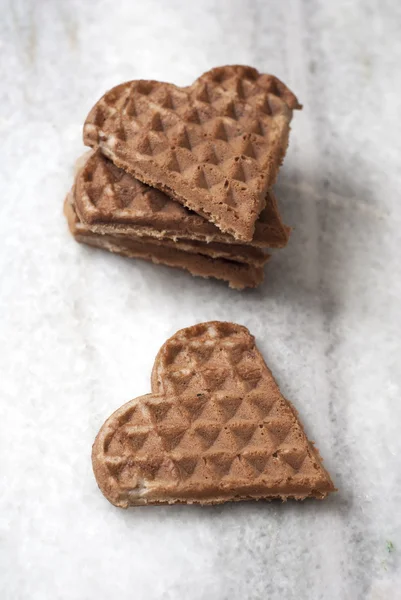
[
  {"x": 237, "y": 270},
  {"x": 215, "y": 428},
  {"x": 215, "y": 146},
  {"x": 242, "y": 253},
  {"x": 111, "y": 200}
]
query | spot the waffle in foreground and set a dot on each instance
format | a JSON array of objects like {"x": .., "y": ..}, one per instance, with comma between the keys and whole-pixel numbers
[
  {"x": 214, "y": 429},
  {"x": 215, "y": 146}
]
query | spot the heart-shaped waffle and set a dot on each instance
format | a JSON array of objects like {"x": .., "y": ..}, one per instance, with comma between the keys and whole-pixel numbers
[
  {"x": 215, "y": 428},
  {"x": 111, "y": 201},
  {"x": 215, "y": 146}
]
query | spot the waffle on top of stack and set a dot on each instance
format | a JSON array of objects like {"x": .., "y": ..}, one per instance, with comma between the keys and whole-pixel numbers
[
  {"x": 214, "y": 428},
  {"x": 215, "y": 147}
]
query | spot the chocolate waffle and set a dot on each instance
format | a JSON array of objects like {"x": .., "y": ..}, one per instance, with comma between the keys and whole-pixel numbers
[
  {"x": 215, "y": 146},
  {"x": 111, "y": 201},
  {"x": 215, "y": 428},
  {"x": 233, "y": 269}
]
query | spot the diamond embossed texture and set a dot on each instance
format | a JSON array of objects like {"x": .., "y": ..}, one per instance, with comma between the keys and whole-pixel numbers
[
  {"x": 215, "y": 146},
  {"x": 112, "y": 201},
  {"x": 215, "y": 428}
]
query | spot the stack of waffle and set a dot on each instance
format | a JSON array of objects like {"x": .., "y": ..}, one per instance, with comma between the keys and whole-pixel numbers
[{"x": 183, "y": 176}]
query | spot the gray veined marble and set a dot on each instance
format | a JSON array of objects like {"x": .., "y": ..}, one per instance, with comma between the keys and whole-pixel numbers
[{"x": 79, "y": 328}]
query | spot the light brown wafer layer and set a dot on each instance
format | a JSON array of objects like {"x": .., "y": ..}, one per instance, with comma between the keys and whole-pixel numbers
[
  {"x": 215, "y": 428},
  {"x": 238, "y": 275},
  {"x": 112, "y": 201},
  {"x": 215, "y": 146},
  {"x": 235, "y": 252}
]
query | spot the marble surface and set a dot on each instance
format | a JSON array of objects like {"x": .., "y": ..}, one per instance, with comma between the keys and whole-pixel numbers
[{"x": 79, "y": 328}]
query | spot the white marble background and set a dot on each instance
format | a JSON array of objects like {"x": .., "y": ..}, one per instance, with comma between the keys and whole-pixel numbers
[{"x": 79, "y": 328}]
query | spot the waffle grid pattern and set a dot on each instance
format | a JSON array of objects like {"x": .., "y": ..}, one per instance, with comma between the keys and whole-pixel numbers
[
  {"x": 110, "y": 196},
  {"x": 225, "y": 135},
  {"x": 218, "y": 419}
]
